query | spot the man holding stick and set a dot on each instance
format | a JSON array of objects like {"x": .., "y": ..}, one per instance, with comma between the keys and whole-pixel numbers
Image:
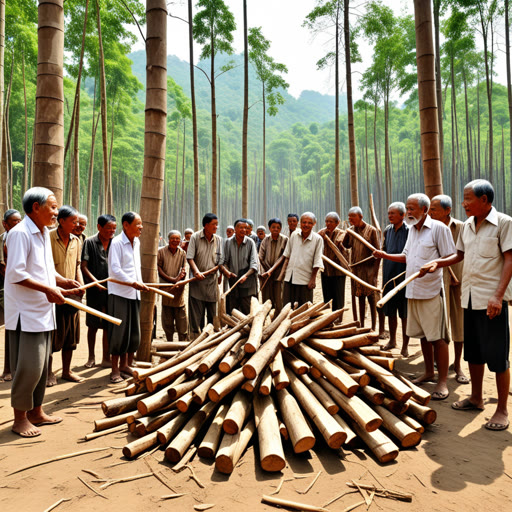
[
  {"x": 124, "y": 300},
  {"x": 428, "y": 239},
  {"x": 204, "y": 253},
  {"x": 171, "y": 269},
  {"x": 95, "y": 268},
  {"x": 440, "y": 209},
  {"x": 485, "y": 243},
  {"x": 32, "y": 285}
]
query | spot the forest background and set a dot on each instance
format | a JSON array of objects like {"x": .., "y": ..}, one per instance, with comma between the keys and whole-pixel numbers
[{"x": 300, "y": 132}]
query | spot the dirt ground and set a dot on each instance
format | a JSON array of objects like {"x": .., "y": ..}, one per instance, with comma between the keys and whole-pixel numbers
[{"x": 459, "y": 465}]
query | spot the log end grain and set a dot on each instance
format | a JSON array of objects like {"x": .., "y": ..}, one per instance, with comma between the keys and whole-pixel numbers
[
  {"x": 224, "y": 464},
  {"x": 230, "y": 426},
  {"x": 373, "y": 425},
  {"x": 352, "y": 390},
  {"x": 337, "y": 439},
  {"x": 172, "y": 454},
  {"x": 213, "y": 395},
  {"x": 127, "y": 452},
  {"x": 364, "y": 380},
  {"x": 305, "y": 444},
  {"x": 224, "y": 367},
  {"x": 249, "y": 348},
  {"x": 249, "y": 372},
  {"x": 161, "y": 438},
  {"x": 142, "y": 407},
  {"x": 182, "y": 405},
  {"x": 203, "y": 368},
  {"x": 410, "y": 440},
  {"x": 333, "y": 409},
  {"x": 388, "y": 457},
  {"x": 282, "y": 384},
  {"x": 205, "y": 452},
  {"x": 430, "y": 417},
  {"x": 264, "y": 390},
  {"x": 273, "y": 463}
]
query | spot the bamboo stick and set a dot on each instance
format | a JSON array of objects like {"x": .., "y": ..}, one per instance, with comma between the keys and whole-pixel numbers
[
  {"x": 395, "y": 406},
  {"x": 336, "y": 334},
  {"x": 116, "y": 406},
  {"x": 416, "y": 425},
  {"x": 381, "y": 446},
  {"x": 277, "y": 321},
  {"x": 177, "y": 390},
  {"x": 106, "y": 423},
  {"x": 171, "y": 428},
  {"x": 93, "y": 283},
  {"x": 211, "y": 440},
  {"x": 186, "y": 281},
  {"x": 279, "y": 375},
  {"x": 232, "y": 448},
  {"x": 92, "y": 311},
  {"x": 361, "y": 239},
  {"x": 256, "y": 334},
  {"x": 323, "y": 397},
  {"x": 224, "y": 386},
  {"x": 336, "y": 251},
  {"x": 352, "y": 265},
  {"x": 396, "y": 289},
  {"x": 350, "y": 274},
  {"x": 406, "y": 435},
  {"x": 151, "y": 289},
  {"x": 266, "y": 382},
  {"x": 296, "y": 364},
  {"x": 351, "y": 435},
  {"x": 200, "y": 393},
  {"x": 421, "y": 413},
  {"x": 269, "y": 438},
  {"x": 238, "y": 411}
]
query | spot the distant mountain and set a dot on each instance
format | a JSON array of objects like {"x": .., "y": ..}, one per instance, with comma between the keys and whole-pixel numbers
[{"x": 310, "y": 107}]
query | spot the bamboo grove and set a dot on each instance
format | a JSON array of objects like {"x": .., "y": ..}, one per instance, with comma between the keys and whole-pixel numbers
[{"x": 291, "y": 160}]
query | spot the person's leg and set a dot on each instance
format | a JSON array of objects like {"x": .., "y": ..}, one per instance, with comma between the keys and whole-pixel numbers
[
  {"x": 372, "y": 302},
  {"x": 441, "y": 356},
  {"x": 168, "y": 322},
  {"x": 181, "y": 323},
  {"x": 91, "y": 341},
  {"x": 428, "y": 357},
  {"x": 277, "y": 296},
  {"x": 211, "y": 312},
  {"x": 116, "y": 373},
  {"x": 476, "y": 399},
  {"x": 405, "y": 338},
  {"x": 6, "y": 374},
  {"x": 500, "y": 418},
  {"x": 362, "y": 309},
  {"x": 52, "y": 379},
  {"x": 382, "y": 325},
  {"x": 105, "y": 362},
  {"x": 195, "y": 313},
  {"x": 393, "y": 324},
  {"x": 287, "y": 293},
  {"x": 327, "y": 291},
  {"x": 354, "y": 308},
  {"x": 72, "y": 339},
  {"x": 67, "y": 374},
  {"x": 458, "y": 346},
  {"x": 124, "y": 365}
]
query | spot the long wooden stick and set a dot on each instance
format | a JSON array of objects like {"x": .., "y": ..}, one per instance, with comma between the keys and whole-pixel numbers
[
  {"x": 361, "y": 261},
  {"x": 225, "y": 294},
  {"x": 361, "y": 239},
  {"x": 396, "y": 289},
  {"x": 156, "y": 290},
  {"x": 56, "y": 504},
  {"x": 393, "y": 279},
  {"x": 93, "y": 283},
  {"x": 374, "y": 216},
  {"x": 292, "y": 504},
  {"x": 186, "y": 281},
  {"x": 349, "y": 274},
  {"x": 336, "y": 251},
  {"x": 452, "y": 273},
  {"x": 92, "y": 311}
]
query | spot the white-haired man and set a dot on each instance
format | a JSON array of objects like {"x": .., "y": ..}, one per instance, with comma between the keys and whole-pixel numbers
[{"x": 428, "y": 239}]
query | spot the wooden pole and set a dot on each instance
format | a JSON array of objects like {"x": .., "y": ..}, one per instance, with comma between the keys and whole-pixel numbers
[
  {"x": 116, "y": 406},
  {"x": 170, "y": 429},
  {"x": 407, "y": 436},
  {"x": 381, "y": 446},
  {"x": 349, "y": 274},
  {"x": 219, "y": 390},
  {"x": 232, "y": 447},
  {"x": 238, "y": 411},
  {"x": 256, "y": 334},
  {"x": 211, "y": 440},
  {"x": 396, "y": 289},
  {"x": 92, "y": 311}
]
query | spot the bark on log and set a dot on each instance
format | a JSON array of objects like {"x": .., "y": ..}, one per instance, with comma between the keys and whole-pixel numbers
[
  {"x": 419, "y": 394},
  {"x": 170, "y": 429},
  {"x": 117, "y": 406},
  {"x": 311, "y": 328},
  {"x": 201, "y": 392},
  {"x": 132, "y": 449},
  {"x": 323, "y": 397},
  {"x": 224, "y": 386},
  {"x": 233, "y": 357},
  {"x": 210, "y": 443},
  {"x": 374, "y": 395},
  {"x": 421, "y": 413},
  {"x": 238, "y": 411},
  {"x": 256, "y": 334},
  {"x": 280, "y": 378},
  {"x": 232, "y": 448},
  {"x": 328, "y": 346},
  {"x": 266, "y": 382},
  {"x": 296, "y": 364}
]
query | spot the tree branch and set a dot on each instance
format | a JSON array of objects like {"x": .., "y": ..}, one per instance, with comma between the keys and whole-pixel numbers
[
  {"x": 207, "y": 77},
  {"x": 134, "y": 19},
  {"x": 176, "y": 17}
]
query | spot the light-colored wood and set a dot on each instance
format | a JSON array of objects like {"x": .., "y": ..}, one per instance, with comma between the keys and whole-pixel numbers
[
  {"x": 277, "y": 321},
  {"x": 169, "y": 345},
  {"x": 179, "y": 445},
  {"x": 336, "y": 251},
  {"x": 296, "y": 364},
  {"x": 232, "y": 447},
  {"x": 360, "y": 340},
  {"x": 420, "y": 412},
  {"x": 375, "y": 351},
  {"x": 336, "y": 334},
  {"x": 352, "y": 265},
  {"x": 200, "y": 393},
  {"x": 351, "y": 439},
  {"x": 93, "y": 283},
  {"x": 380, "y": 444},
  {"x": 233, "y": 357},
  {"x": 419, "y": 394},
  {"x": 186, "y": 281},
  {"x": 269, "y": 437},
  {"x": 118, "y": 428},
  {"x": 279, "y": 375},
  {"x": 224, "y": 386},
  {"x": 396, "y": 289},
  {"x": 162, "y": 419},
  {"x": 218, "y": 352},
  {"x": 354, "y": 407},
  {"x": 358, "y": 374},
  {"x": 385, "y": 362},
  {"x": 415, "y": 424},
  {"x": 151, "y": 289},
  {"x": 406, "y": 435},
  {"x": 256, "y": 334},
  {"x": 296, "y": 312},
  {"x": 330, "y": 429},
  {"x": 291, "y": 504},
  {"x": 328, "y": 346},
  {"x": 323, "y": 397},
  {"x": 336, "y": 375},
  {"x": 132, "y": 417},
  {"x": 116, "y": 406},
  {"x": 384, "y": 493},
  {"x": 349, "y": 274},
  {"x": 106, "y": 423},
  {"x": 132, "y": 449},
  {"x": 211, "y": 440},
  {"x": 177, "y": 390},
  {"x": 308, "y": 313},
  {"x": 92, "y": 311},
  {"x": 170, "y": 429},
  {"x": 266, "y": 383},
  {"x": 374, "y": 395},
  {"x": 154, "y": 401},
  {"x": 238, "y": 411},
  {"x": 184, "y": 402},
  {"x": 252, "y": 384},
  {"x": 357, "y": 236},
  {"x": 395, "y": 406}
]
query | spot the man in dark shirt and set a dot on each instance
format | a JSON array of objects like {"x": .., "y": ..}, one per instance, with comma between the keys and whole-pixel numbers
[{"x": 395, "y": 237}]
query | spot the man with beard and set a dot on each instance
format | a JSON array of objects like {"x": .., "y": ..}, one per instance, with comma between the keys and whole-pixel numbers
[{"x": 428, "y": 239}]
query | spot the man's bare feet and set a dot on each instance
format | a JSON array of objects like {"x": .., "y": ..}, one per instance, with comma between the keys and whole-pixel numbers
[
  {"x": 440, "y": 392},
  {"x": 424, "y": 378},
  {"x": 91, "y": 363},
  {"x": 404, "y": 352},
  {"x": 42, "y": 418},
  {"x": 72, "y": 377},
  {"x": 461, "y": 378},
  {"x": 25, "y": 429},
  {"x": 115, "y": 378},
  {"x": 51, "y": 380},
  {"x": 7, "y": 376},
  {"x": 389, "y": 346},
  {"x": 106, "y": 364}
]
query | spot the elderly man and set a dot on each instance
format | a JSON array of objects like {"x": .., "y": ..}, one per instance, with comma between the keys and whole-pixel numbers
[
  {"x": 333, "y": 280},
  {"x": 440, "y": 209},
  {"x": 249, "y": 231},
  {"x": 186, "y": 238},
  {"x": 31, "y": 288},
  {"x": 80, "y": 227},
  {"x": 271, "y": 261},
  {"x": 260, "y": 233},
  {"x": 204, "y": 253},
  {"x": 95, "y": 268},
  {"x": 230, "y": 231},
  {"x": 171, "y": 269},
  {"x": 240, "y": 263},
  {"x": 428, "y": 239},
  {"x": 124, "y": 299},
  {"x": 395, "y": 238},
  {"x": 364, "y": 268},
  {"x": 302, "y": 261},
  {"x": 67, "y": 251},
  {"x": 293, "y": 222},
  {"x": 11, "y": 219},
  {"x": 485, "y": 243}
]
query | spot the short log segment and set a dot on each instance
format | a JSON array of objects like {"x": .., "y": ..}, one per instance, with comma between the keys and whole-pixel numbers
[
  {"x": 300, "y": 434},
  {"x": 200, "y": 393},
  {"x": 154, "y": 401},
  {"x": 336, "y": 333},
  {"x": 278, "y": 372},
  {"x": 256, "y": 334},
  {"x": 328, "y": 346},
  {"x": 269, "y": 437},
  {"x": 210, "y": 443},
  {"x": 117, "y": 406},
  {"x": 406, "y": 435},
  {"x": 421, "y": 412},
  {"x": 238, "y": 411},
  {"x": 419, "y": 394},
  {"x": 219, "y": 390},
  {"x": 177, "y": 390},
  {"x": 133, "y": 449},
  {"x": 266, "y": 383},
  {"x": 233, "y": 357},
  {"x": 170, "y": 429},
  {"x": 232, "y": 447},
  {"x": 380, "y": 444},
  {"x": 277, "y": 321},
  {"x": 323, "y": 397},
  {"x": 330, "y": 429},
  {"x": 296, "y": 364},
  {"x": 114, "y": 421},
  {"x": 219, "y": 352},
  {"x": 374, "y": 395}
]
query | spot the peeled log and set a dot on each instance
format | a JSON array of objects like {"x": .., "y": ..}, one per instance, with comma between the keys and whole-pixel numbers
[
  {"x": 374, "y": 395},
  {"x": 269, "y": 437},
  {"x": 233, "y": 357},
  {"x": 329, "y": 346},
  {"x": 380, "y": 444},
  {"x": 256, "y": 334},
  {"x": 277, "y": 321},
  {"x": 183, "y": 440},
  {"x": 351, "y": 435},
  {"x": 421, "y": 413},
  {"x": 336, "y": 333},
  {"x": 105, "y": 423},
  {"x": 237, "y": 413},
  {"x": 154, "y": 402},
  {"x": 132, "y": 449},
  {"x": 300, "y": 434},
  {"x": 330, "y": 429},
  {"x": 177, "y": 390},
  {"x": 170, "y": 345},
  {"x": 266, "y": 382},
  {"x": 407, "y": 436},
  {"x": 361, "y": 413},
  {"x": 360, "y": 340},
  {"x": 210, "y": 443},
  {"x": 201, "y": 392},
  {"x": 232, "y": 447},
  {"x": 395, "y": 406},
  {"x": 416, "y": 425},
  {"x": 280, "y": 378},
  {"x": 419, "y": 394},
  {"x": 386, "y": 362},
  {"x": 300, "y": 310},
  {"x": 296, "y": 364},
  {"x": 170, "y": 429},
  {"x": 184, "y": 402},
  {"x": 219, "y": 390},
  {"x": 219, "y": 352},
  {"x": 162, "y": 419},
  {"x": 117, "y": 406},
  {"x": 323, "y": 397},
  {"x": 358, "y": 374}
]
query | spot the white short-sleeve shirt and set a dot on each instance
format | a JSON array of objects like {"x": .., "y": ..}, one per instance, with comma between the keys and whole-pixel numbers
[
  {"x": 304, "y": 255},
  {"x": 124, "y": 265}
]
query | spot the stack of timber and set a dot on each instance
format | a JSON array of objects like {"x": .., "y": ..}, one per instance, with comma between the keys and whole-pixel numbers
[{"x": 295, "y": 378}]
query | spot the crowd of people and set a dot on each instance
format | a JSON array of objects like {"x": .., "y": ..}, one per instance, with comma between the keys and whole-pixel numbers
[{"x": 449, "y": 300}]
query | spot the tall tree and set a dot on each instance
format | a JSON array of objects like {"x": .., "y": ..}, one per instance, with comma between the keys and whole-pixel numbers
[
  {"x": 213, "y": 28},
  {"x": 154, "y": 159},
  {"x": 509, "y": 81},
  {"x": 245, "y": 122},
  {"x": 269, "y": 73},
  {"x": 49, "y": 126},
  {"x": 3, "y": 179}
]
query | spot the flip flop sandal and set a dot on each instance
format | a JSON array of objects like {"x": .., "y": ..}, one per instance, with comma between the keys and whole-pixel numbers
[
  {"x": 116, "y": 380},
  {"x": 466, "y": 405},
  {"x": 462, "y": 379},
  {"x": 491, "y": 425},
  {"x": 437, "y": 395},
  {"x": 25, "y": 436}
]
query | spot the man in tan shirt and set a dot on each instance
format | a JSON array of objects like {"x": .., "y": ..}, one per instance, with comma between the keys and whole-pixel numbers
[
  {"x": 171, "y": 269},
  {"x": 67, "y": 250}
]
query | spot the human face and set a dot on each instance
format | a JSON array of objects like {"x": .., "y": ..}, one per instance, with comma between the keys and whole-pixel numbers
[
  {"x": 261, "y": 234},
  {"x": 211, "y": 228},
  {"x": 67, "y": 225},
  {"x": 230, "y": 232},
  {"x": 14, "y": 219},
  {"x": 134, "y": 229},
  {"x": 188, "y": 236},
  {"x": 275, "y": 229},
  {"x": 475, "y": 206},
  {"x": 437, "y": 212},
  {"x": 415, "y": 212},
  {"x": 174, "y": 242},
  {"x": 395, "y": 216},
  {"x": 355, "y": 219},
  {"x": 107, "y": 231},
  {"x": 45, "y": 215},
  {"x": 306, "y": 225},
  {"x": 241, "y": 229},
  {"x": 80, "y": 226},
  {"x": 248, "y": 231},
  {"x": 292, "y": 224},
  {"x": 331, "y": 224}
]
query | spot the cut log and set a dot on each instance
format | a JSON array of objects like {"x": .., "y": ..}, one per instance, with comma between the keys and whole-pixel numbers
[
  {"x": 280, "y": 377},
  {"x": 105, "y": 423},
  {"x": 380, "y": 444},
  {"x": 323, "y": 397},
  {"x": 300, "y": 309},
  {"x": 406, "y": 435},
  {"x": 232, "y": 447},
  {"x": 132, "y": 449},
  {"x": 176, "y": 390},
  {"x": 358, "y": 374},
  {"x": 395, "y": 406},
  {"x": 266, "y": 383},
  {"x": 210, "y": 443},
  {"x": 256, "y": 334},
  {"x": 360, "y": 340},
  {"x": 233, "y": 357},
  {"x": 170, "y": 429},
  {"x": 419, "y": 394},
  {"x": 165, "y": 354},
  {"x": 117, "y": 406},
  {"x": 251, "y": 385},
  {"x": 184, "y": 402},
  {"x": 296, "y": 364},
  {"x": 328, "y": 346},
  {"x": 385, "y": 362},
  {"x": 337, "y": 333},
  {"x": 375, "y": 351},
  {"x": 351, "y": 439},
  {"x": 200, "y": 393},
  {"x": 169, "y": 345},
  {"x": 224, "y": 386},
  {"x": 421, "y": 412},
  {"x": 416, "y": 425},
  {"x": 218, "y": 352},
  {"x": 269, "y": 438},
  {"x": 374, "y": 395},
  {"x": 156, "y": 422},
  {"x": 154, "y": 401},
  {"x": 277, "y": 321},
  {"x": 238, "y": 411}
]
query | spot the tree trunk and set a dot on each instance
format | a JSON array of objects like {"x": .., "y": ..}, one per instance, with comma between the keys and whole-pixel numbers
[
  {"x": 337, "y": 187},
  {"x": 49, "y": 126},
  {"x": 427, "y": 98},
  {"x": 175, "y": 205},
  {"x": 509, "y": 89},
  {"x": 75, "y": 184},
  {"x": 214, "y": 125},
  {"x": 25, "y": 167},
  {"x": 265, "y": 218},
  {"x": 182, "y": 224},
  {"x": 91, "y": 166},
  {"x": 387, "y": 168},
  {"x": 154, "y": 160},
  {"x": 245, "y": 191},
  {"x": 3, "y": 177},
  {"x": 488, "y": 83},
  {"x": 439, "y": 94}
]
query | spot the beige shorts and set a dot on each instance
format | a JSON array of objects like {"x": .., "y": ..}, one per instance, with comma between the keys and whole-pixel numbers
[{"x": 425, "y": 319}]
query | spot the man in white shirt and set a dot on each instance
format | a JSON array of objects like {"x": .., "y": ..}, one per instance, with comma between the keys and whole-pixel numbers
[
  {"x": 31, "y": 287},
  {"x": 428, "y": 239},
  {"x": 124, "y": 299}
]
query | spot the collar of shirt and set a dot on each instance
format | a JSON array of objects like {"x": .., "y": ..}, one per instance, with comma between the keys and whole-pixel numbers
[
  {"x": 492, "y": 217},
  {"x": 309, "y": 237},
  {"x": 71, "y": 236},
  {"x": 202, "y": 235},
  {"x": 126, "y": 240},
  {"x": 31, "y": 225}
]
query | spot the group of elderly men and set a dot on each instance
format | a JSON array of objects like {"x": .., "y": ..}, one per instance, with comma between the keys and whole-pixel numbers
[{"x": 43, "y": 268}]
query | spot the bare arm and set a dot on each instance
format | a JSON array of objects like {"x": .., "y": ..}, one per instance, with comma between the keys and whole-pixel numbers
[
  {"x": 52, "y": 294},
  {"x": 432, "y": 266},
  {"x": 398, "y": 258},
  {"x": 312, "y": 281},
  {"x": 270, "y": 271},
  {"x": 496, "y": 301}
]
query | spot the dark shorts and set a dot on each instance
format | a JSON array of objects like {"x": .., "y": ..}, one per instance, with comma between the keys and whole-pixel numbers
[
  {"x": 124, "y": 338},
  {"x": 67, "y": 334},
  {"x": 397, "y": 304},
  {"x": 96, "y": 299},
  {"x": 487, "y": 341}
]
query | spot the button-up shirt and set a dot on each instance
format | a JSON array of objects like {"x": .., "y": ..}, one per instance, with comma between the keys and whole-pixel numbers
[
  {"x": 124, "y": 265},
  {"x": 30, "y": 256},
  {"x": 432, "y": 241},
  {"x": 172, "y": 264},
  {"x": 239, "y": 259},
  {"x": 270, "y": 251},
  {"x": 483, "y": 257},
  {"x": 337, "y": 237},
  {"x": 304, "y": 256}
]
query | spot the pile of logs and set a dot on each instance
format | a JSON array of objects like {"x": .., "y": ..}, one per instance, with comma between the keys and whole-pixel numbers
[{"x": 295, "y": 378}]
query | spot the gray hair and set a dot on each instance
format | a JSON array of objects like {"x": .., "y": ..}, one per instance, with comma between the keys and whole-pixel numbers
[
  {"x": 444, "y": 200},
  {"x": 397, "y": 205},
  {"x": 9, "y": 213},
  {"x": 423, "y": 200},
  {"x": 173, "y": 232},
  {"x": 481, "y": 188},
  {"x": 83, "y": 216},
  {"x": 310, "y": 215},
  {"x": 261, "y": 228},
  {"x": 189, "y": 230},
  {"x": 356, "y": 209},
  {"x": 333, "y": 215},
  {"x": 249, "y": 221},
  {"x": 37, "y": 195}
]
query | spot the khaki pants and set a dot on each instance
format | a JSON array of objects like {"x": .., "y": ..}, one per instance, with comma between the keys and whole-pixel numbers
[
  {"x": 274, "y": 291},
  {"x": 175, "y": 319}
]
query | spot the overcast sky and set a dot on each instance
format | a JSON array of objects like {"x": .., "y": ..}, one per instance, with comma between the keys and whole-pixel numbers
[{"x": 291, "y": 44}]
